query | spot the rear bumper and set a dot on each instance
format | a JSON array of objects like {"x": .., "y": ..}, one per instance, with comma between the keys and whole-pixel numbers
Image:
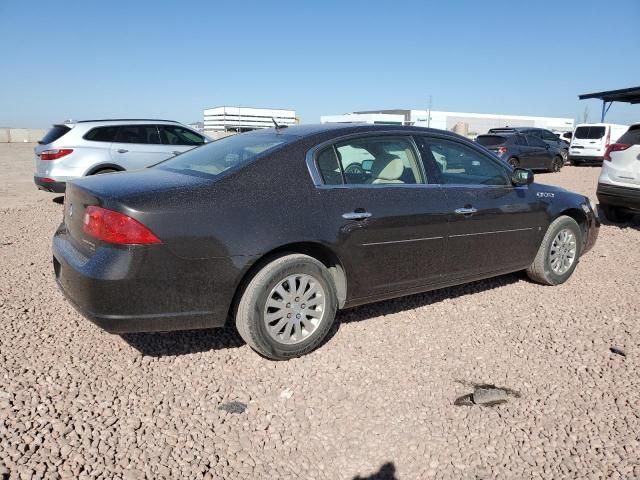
[
  {"x": 617, "y": 196},
  {"x": 48, "y": 184},
  {"x": 585, "y": 160},
  {"x": 143, "y": 288}
]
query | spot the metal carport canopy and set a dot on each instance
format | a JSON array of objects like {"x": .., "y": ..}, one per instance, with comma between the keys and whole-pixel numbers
[{"x": 624, "y": 95}]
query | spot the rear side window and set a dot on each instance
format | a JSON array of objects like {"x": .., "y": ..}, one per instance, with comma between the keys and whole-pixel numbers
[
  {"x": 329, "y": 167},
  {"x": 491, "y": 140},
  {"x": 54, "y": 134},
  {"x": 175, "y": 135},
  {"x": 632, "y": 136},
  {"x": 102, "y": 134},
  {"x": 547, "y": 135},
  {"x": 142, "y": 134},
  {"x": 378, "y": 160},
  {"x": 589, "y": 133}
]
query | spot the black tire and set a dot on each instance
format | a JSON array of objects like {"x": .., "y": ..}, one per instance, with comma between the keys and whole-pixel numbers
[
  {"x": 564, "y": 154},
  {"x": 556, "y": 164},
  {"x": 250, "y": 315},
  {"x": 540, "y": 270},
  {"x": 615, "y": 214},
  {"x": 514, "y": 162},
  {"x": 105, "y": 170}
]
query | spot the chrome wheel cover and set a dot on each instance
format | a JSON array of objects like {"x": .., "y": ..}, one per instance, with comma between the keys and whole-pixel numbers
[
  {"x": 562, "y": 254},
  {"x": 294, "y": 309}
]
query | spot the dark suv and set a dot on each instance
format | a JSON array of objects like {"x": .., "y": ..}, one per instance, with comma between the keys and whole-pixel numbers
[
  {"x": 524, "y": 151},
  {"x": 543, "y": 134}
]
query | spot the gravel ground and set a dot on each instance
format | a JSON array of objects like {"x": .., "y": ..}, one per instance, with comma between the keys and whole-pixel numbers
[{"x": 384, "y": 398}]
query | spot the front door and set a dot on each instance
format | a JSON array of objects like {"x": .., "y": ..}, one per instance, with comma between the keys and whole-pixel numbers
[
  {"x": 389, "y": 225},
  {"x": 493, "y": 226}
]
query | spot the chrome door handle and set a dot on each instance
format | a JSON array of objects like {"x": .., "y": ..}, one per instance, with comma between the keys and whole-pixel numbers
[
  {"x": 122, "y": 150},
  {"x": 356, "y": 215},
  {"x": 465, "y": 211}
]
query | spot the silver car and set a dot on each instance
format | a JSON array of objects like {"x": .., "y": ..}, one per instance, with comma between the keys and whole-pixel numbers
[{"x": 76, "y": 149}]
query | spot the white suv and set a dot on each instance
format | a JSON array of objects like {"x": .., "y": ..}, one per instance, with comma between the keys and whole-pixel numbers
[
  {"x": 89, "y": 147},
  {"x": 619, "y": 183}
]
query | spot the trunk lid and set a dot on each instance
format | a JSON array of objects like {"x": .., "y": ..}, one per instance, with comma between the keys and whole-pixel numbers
[{"x": 140, "y": 195}]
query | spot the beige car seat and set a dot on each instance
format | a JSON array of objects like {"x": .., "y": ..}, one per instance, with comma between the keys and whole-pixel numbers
[{"x": 387, "y": 169}]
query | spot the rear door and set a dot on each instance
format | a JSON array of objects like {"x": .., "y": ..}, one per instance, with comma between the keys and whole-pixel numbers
[
  {"x": 388, "y": 221},
  {"x": 588, "y": 141},
  {"x": 178, "y": 139},
  {"x": 138, "y": 146},
  {"x": 494, "y": 226}
]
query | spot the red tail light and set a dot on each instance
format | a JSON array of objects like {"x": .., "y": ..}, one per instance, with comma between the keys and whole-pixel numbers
[
  {"x": 55, "y": 154},
  {"x": 114, "y": 227},
  {"x": 614, "y": 147},
  {"x": 502, "y": 150}
]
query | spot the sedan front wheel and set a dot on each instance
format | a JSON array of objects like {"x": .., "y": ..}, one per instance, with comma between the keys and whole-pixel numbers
[
  {"x": 558, "y": 254},
  {"x": 288, "y": 307}
]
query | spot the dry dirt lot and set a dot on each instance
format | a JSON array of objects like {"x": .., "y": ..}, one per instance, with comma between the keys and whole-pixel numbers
[{"x": 377, "y": 401}]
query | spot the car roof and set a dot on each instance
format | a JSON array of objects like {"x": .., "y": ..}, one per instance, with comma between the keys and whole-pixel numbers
[
  {"x": 348, "y": 128},
  {"x": 116, "y": 121}
]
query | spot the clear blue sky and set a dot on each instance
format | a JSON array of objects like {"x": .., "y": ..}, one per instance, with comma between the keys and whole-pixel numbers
[{"x": 120, "y": 58}]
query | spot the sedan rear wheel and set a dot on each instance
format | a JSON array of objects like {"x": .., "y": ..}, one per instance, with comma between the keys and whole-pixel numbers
[
  {"x": 288, "y": 307},
  {"x": 513, "y": 162},
  {"x": 558, "y": 254},
  {"x": 556, "y": 164}
]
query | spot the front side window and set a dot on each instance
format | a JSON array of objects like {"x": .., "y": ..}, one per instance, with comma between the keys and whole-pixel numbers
[
  {"x": 216, "y": 157},
  {"x": 142, "y": 134},
  {"x": 175, "y": 135},
  {"x": 535, "y": 142},
  {"x": 370, "y": 161},
  {"x": 459, "y": 164}
]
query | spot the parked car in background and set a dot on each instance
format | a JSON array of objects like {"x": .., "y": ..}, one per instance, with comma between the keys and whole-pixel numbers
[
  {"x": 590, "y": 142},
  {"x": 566, "y": 136},
  {"x": 523, "y": 151},
  {"x": 90, "y": 147},
  {"x": 278, "y": 230},
  {"x": 619, "y": 183},
  {"x": 547, "y": 136}
]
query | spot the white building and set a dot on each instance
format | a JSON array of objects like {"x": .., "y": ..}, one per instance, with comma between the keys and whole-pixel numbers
[
  {"x": 470, "y": 124},
  {"x": 243, "y": 119}
]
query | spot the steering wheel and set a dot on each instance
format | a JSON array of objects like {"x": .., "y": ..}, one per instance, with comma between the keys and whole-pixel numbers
[{"x": 354, "y": 168}]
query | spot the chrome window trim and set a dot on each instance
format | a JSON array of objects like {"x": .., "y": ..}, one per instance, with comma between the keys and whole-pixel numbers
[{"x": 316, "y": 178}]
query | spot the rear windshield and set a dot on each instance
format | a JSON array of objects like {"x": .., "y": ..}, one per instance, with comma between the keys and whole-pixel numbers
[
  {"x": 491, "y": 140},
  {"x": 631, "y": 137},
  {"x": 589, "y": 133},
  {"x": 54, "y": 134},
  {"x": 216, "y": 157}
]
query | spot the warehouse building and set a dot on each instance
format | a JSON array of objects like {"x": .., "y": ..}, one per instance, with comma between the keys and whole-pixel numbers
[
  {"x": 469, "y": 124},
  {"x": 244, "y": 119}
]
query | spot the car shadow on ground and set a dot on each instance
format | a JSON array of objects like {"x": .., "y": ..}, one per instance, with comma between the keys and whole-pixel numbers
[
  {"x": 386, "y": 472},
  {"x": 196, "y": 341},
  {"x": 633, "y": 223},
  {"x": 59, "y": 200}
]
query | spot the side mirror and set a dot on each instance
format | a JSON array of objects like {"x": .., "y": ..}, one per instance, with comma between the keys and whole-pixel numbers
[{"x": 521, "y": 176}]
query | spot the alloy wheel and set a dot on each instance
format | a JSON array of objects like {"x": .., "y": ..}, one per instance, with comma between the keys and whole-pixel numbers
[
  {"x": 562, "y": 254},
  {"x": 294, "y": 309}
]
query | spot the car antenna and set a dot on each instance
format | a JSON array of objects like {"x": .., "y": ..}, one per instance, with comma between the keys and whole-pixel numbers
[{"x": 278, "y": 127}]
